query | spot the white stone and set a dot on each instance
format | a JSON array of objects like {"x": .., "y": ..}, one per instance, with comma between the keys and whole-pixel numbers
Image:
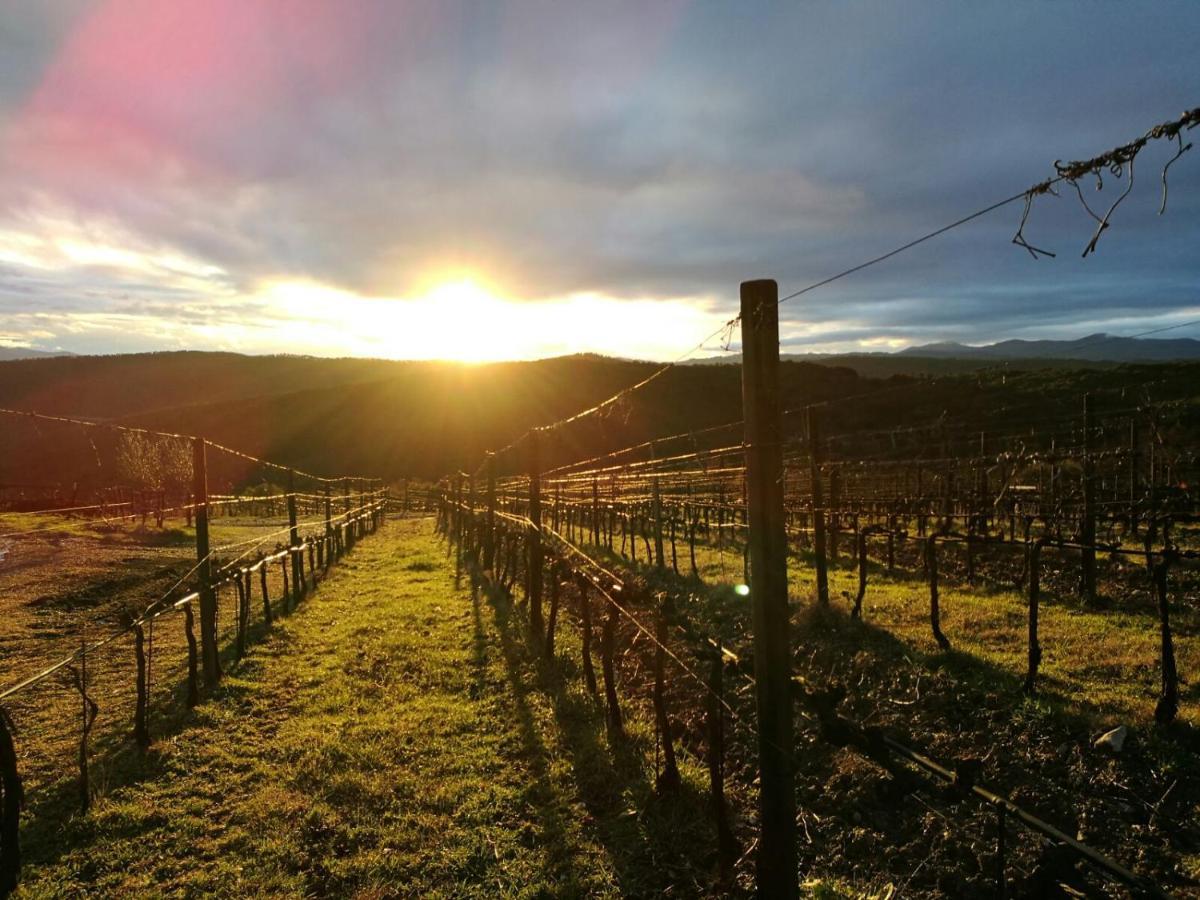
[{"x": 1112, "y": 740}]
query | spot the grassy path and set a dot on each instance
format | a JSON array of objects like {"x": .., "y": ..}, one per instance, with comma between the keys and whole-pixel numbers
[{"x": 392, "y": 738}]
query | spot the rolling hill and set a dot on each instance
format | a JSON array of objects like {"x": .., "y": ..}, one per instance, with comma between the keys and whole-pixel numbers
[{"x": 422, "y": 419}]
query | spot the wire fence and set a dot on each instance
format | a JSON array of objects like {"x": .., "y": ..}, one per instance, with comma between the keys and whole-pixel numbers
[
  {"x": 139, "y": 564},
  {"x": 624, "y": 541},
  {"x": 130, "y": 580},
  {"x": 626, "y": 544}
]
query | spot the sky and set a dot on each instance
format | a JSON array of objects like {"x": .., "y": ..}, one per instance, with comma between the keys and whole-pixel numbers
[{"x": 500, "y": 180}]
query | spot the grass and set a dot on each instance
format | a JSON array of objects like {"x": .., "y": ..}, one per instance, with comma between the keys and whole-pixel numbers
[
  {"x": 401, "y": 735},
  {"x": 1100, "y": 669},
  {"x": 1101, "y": 663},
  {"x": 394, "y": 737}
]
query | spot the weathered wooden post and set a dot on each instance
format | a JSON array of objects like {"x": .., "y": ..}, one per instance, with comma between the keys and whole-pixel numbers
[
  {"x": 659, "y": 559},
  {"x": 210, "y": 659},
  {"x": 776, "y": 862},
  {"x": 533, "y": 574},
  {"x": 552, "y": 619},
  {"x": 818, "y": 503},
  {"x": 13, "y": 794},
  {"x": 1033, "y": 564},
  {"x": 668, "y": 780},
  {"x": 266, "y": 596},
  {"x": 935, "y": 610},
  {"x": 328, "y": 527},
  {"x": 141, "y": 729},
  {"x": 861, "y": 554},
  {"x": 585, "y": 618},
  {"x": 347, "y": 536},
  {"x": 189, "y": 632},
  {"x": 472, "y": 553},
  {"x": 489, "y": 531},
  {"x": 608, "y": 633},
  {"x": 1134, "y": 465},
  {"x": 456, "y": 528},
  {"x": 294, "y": 542},
  {"x": 1168, "y": 701},
  {"x": 726, "y": 844},
  {"x": 833, "y": 520},
  {"x": 240, "y": 643},
  {"x": 595, "y": 511},
  {"x": 1087, "y": 533}
]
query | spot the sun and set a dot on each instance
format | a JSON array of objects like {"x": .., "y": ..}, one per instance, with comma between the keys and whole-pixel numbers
[{"x": 465, "y": 321}]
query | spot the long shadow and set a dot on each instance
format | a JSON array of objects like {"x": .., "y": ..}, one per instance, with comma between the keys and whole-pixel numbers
[
  {"x": 52, "y": 825},
  {"x": 1063, "y": 696},
  {"x": 654, "y": 843},
  {"x": 554, "y": 832},
  {"x": 993, "y": 719},
  {"x": 981, "y": 701}
]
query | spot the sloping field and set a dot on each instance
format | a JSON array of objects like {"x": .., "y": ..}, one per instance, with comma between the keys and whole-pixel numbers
[
  {"x": 392, "y": 738},
  {"x": 399, "y": 736}
]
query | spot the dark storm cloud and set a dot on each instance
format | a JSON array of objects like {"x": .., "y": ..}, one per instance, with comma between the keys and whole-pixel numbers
[{"x": 625, "y": 149}]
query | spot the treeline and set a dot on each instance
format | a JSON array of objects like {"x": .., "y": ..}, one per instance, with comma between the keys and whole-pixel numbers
[{"x": 418, "y": 419}]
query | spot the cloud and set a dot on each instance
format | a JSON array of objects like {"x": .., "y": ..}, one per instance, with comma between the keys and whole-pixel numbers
[{"x": 160, "y": 163}]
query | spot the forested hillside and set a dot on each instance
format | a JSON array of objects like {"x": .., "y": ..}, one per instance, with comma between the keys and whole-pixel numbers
[{"x": 398, "y": 419}]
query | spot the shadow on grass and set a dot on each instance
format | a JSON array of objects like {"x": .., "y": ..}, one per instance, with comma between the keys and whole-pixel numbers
[
  {"x": 52, "y": 825},
  {"x": 654, "y": 843}
]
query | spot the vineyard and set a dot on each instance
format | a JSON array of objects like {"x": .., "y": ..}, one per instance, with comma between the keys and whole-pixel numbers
[
  {"x": 130, "y": 588},
  {"x": 936, "y": 637},
  {"x": 898, "y": 538}
]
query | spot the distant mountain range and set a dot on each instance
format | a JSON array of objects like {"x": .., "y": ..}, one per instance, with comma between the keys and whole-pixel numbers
[
  {"x": 1098, "y": 347},
  {"x": 1099, "y": 351},
  {"x": 7, "y": 353}
]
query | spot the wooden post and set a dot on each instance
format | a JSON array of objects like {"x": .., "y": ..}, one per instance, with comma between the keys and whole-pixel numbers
[
  {"x": 595, "y": 512},
  {"x": 456, "y": 529},
  {"x": 935, "y": 612},
  {"x": 726, "y": 844},
  {"x": 585, "y": 617},
  {"x": 1088, "y": 530},
  {"x": 1168, "y": 701},
  {"x": 776, "y": 862},
  {"x": 616, "y": 725},
  {"x": 552, "y": 620},
  {"x": 833, "y": 520},
  {"x": 533, "y": 575},
  {"x": 347, "y": 537},
  {"x": 13, "y": 794},
  {"x": 328, "y": 527},
  {"x": 668, "y": 780},
  {"x": 240, "y": 645},
  {"x": 90, "y": 711},
  {"x": 193, "y": 680},
  {"x": 818, "y": 503},
  {"x": 1033, "y": 564},
  {"x": 489, "y": 531},
  {"x": 861, "y": 553},
  {"x": 1134, "y": 464},
  {"x": 472, "y": 532},
  {"x": 210, "y": 659},
  {"x": 659, "y": 559},
  {"x": 294, "y": 541},
  {"x": 141, "y": 730},
  {"x": 266, "y": 596}
]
